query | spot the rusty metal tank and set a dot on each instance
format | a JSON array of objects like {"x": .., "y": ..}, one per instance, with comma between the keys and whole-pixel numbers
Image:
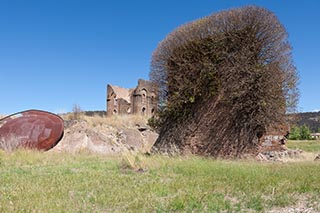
[{"x": 34, "y": 129}]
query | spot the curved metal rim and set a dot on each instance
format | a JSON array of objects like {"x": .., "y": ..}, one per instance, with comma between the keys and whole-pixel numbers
[{"x": 29, "y": 111}]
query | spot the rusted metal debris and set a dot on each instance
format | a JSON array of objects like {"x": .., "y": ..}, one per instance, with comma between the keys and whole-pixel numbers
[{"x": 32, "y": 129}]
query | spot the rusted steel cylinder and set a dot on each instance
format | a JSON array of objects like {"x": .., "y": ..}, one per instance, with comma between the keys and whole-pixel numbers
[{"x": 34, "y": 129}]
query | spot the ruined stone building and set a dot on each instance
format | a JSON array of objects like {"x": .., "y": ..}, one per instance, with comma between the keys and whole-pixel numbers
[
  {"x": 141, "y": 100},
  {"x": 274, "y": 139}
]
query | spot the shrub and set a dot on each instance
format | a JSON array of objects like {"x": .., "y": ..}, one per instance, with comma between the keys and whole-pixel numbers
[
  {"x": 76, "y": 112},
  {"x": 300, "y": 133}
]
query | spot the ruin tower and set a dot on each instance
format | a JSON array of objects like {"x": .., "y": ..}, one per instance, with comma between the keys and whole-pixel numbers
[
  {"x": 141, "y": 100},
  {"x": 144, "y": 99},
  {"x": 118, "y": 100}
]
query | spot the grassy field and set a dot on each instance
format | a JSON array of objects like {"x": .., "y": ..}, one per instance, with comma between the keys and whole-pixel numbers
[
  {"x": 53, "y": 182},
  {"x": 307, "y": 146}
]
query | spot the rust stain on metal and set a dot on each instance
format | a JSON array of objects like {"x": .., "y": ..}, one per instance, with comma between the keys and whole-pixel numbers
[{"x": 32, "y": 129}]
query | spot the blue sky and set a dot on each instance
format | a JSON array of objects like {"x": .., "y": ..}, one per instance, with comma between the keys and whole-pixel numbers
[{"x": 57, "y": 53}]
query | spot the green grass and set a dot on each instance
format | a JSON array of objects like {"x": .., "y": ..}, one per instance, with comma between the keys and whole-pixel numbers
[
  {"x": 52, "y": 182},
  {"x": 307, "y": 146}
]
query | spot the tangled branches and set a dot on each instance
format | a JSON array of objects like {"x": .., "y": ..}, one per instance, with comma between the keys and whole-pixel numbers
[{"x": 223, "y": 80}]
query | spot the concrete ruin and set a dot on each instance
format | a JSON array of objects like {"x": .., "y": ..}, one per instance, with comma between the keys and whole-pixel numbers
[
  {"x": 275, "y": 139},
  {"x": 141, "y": 100}
]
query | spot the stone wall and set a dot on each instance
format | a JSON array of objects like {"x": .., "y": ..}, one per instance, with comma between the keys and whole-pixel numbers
[
  {"x": 274, "y": 139},
  {"x": 144, "y": 99},
  {"x": 141, "y": 100}
]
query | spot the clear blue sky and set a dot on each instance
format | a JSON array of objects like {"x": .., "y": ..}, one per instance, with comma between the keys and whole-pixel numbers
[{"x": 57, "y": 53}]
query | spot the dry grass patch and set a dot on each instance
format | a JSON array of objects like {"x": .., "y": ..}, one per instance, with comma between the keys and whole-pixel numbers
[
  {"x": 59, "y": 182},
  {"x": 114, "y": 121},
  {"x": 118, "y": 120},
  {"x": 10, "y": 144}
]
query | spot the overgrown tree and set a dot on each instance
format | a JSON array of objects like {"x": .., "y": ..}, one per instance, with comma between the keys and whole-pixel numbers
[{"x": 223, "y": 81}]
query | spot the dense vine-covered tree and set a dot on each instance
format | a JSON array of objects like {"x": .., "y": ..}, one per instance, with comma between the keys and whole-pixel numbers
[{"x": 223, "y": 81}]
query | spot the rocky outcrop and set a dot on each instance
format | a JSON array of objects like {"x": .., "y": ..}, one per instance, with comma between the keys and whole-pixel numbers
[{"x": 79, "y": 136}]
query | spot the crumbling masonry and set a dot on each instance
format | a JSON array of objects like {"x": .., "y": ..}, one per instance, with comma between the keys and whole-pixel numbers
[{"x": 142, "y": 100}]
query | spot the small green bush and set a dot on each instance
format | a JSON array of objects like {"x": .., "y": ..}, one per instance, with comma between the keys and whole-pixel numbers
[{"x": 300, "y": 133}]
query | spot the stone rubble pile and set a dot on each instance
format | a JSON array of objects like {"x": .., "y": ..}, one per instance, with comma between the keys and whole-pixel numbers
[{"x": 279, "y": 155}]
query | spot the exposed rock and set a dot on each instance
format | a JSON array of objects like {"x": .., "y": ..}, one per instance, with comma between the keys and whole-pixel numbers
[
  {"x": 141, "y": 128},
  {"x": 105, "y": 139},
  {"x": 261, "y": 157}
]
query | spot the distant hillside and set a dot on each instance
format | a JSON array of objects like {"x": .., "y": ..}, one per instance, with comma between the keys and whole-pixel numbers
[{"x": 311, "y": 119}]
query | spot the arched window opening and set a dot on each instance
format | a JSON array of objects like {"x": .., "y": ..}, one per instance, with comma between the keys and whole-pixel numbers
[
  {"x": 144, "y": 95},
  {"x": 143, "y": 111}
]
